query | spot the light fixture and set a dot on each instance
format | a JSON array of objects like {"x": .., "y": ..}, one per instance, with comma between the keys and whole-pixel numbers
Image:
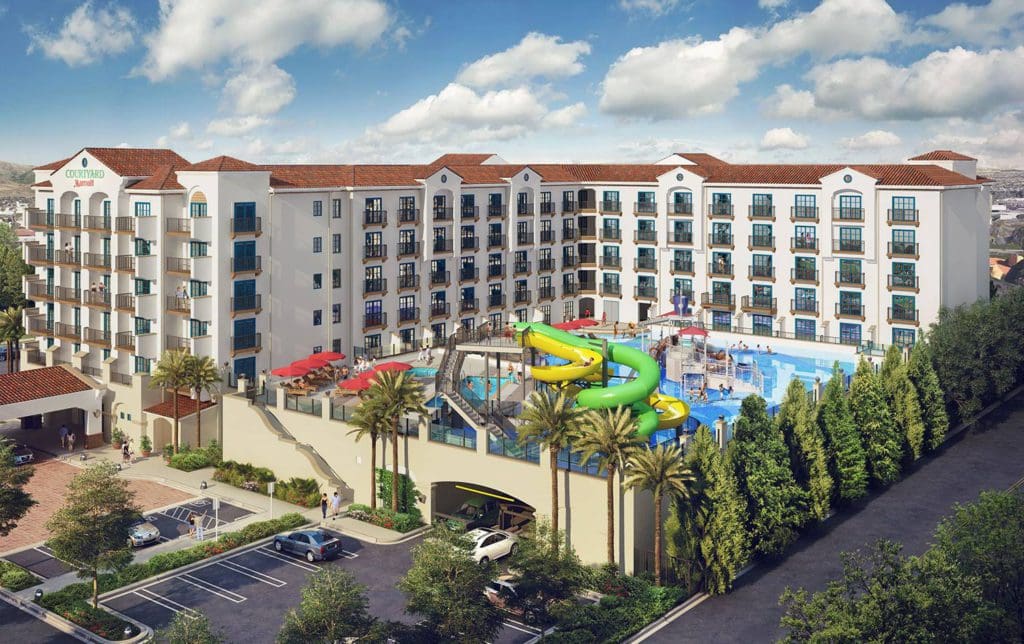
[
  {"x": 82, "y": 457},
  {"x": 39, "y": 594},
  {"x": 202, "y": 485},
  {"x": 127, "y": 631}
]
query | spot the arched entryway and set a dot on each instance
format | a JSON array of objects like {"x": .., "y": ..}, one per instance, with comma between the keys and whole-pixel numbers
[{"x": 163, "y": 433}]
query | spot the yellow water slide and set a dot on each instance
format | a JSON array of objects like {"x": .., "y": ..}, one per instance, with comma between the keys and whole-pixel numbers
[{"x": 582, "y": 362}]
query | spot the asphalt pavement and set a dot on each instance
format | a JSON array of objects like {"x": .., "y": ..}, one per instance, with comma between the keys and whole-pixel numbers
[{"x": 19, "y": 626}]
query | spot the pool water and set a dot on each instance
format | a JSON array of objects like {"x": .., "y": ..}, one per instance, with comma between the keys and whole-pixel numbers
[
  {"x": 423, "y": 372},
  {"x": 475, "y": 393}
]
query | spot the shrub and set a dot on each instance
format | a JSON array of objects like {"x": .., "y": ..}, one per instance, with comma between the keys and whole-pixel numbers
[
  {"x": 244, "y": 475},
  {"x": 188, "y": 459},
  {"x": 146, "y": 443},
  {"x": 304, "y": 492},
  {"x": 385, "y": 518},
  {"x": 14, "y": 578},
  {"x": 407, "y": 492},
  {"x": 116, "y": 436}
]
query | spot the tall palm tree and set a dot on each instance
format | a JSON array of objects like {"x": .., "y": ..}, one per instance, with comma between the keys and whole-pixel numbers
[
  {"x": 11, "y": 330},
  {"x": 609, "y": 435},
  {"x": 550, "y": 420},
  {"x": 169, "y": 373},
  {"x": 369, "y": 420},
  {"x": 397, "y": 395},
  {"x": 201, "y": 374},
  {"x": 660, "y": 470}
]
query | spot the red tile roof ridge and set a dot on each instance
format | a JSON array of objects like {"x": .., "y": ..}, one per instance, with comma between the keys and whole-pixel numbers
[
  {"x": 186, "y": 407},
  {"x": 222, "y": 163},
  {"x": 942, "y": 155},
  {"x": 163, "y": 178}
]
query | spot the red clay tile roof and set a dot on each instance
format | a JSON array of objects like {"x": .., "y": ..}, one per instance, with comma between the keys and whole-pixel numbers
[
  {"x": 804, "y": 174},
  {"x": 457, "y": 159},
  {"x": 24, "y": 232},
  {"x": 42, "y": 184},
  {"x": 702, "y": 158},
  {"x": 186, "y": 407},
  {"x": 163, "y": 179},
  {"x": 53, "y": 165},
  {"x": 34, "y": 384},
  {"x": 136, "y": 162},
  {"x": 222, "y": 164},
  {"x": 942, "y": 155}
]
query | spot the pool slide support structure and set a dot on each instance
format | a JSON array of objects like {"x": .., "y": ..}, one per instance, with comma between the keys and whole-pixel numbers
[{"x": 588, "y": 361}]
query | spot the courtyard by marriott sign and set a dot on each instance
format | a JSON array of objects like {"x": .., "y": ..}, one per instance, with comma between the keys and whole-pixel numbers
[{"x": 84, "y": 177}]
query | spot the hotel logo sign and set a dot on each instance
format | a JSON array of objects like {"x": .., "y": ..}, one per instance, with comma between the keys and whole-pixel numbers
[{"x": 84, "y": 177}]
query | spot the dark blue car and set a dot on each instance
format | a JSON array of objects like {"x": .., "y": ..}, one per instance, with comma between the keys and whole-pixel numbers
[{"x": 314, "y": 545}]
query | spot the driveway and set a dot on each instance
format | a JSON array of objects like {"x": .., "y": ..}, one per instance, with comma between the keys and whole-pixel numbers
[{"x": 990, "y": 458}]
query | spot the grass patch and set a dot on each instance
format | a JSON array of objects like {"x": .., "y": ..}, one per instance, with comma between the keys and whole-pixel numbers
[{"x": 14, "y": 578}]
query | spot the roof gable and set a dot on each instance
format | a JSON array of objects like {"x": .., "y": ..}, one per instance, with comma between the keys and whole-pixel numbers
[
  {"x": 222, "y": 163},
  {"x": 130, "y": 162},
  {"x": 164, "y": 178}
]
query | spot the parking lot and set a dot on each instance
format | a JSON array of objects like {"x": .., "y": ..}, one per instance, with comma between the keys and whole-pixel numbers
[
  {"x": 19, "y": 626},
  {"x": 248, "y": 594}
]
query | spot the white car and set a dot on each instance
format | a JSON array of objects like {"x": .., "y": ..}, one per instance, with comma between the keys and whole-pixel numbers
[{"x": 491, "y": 545}]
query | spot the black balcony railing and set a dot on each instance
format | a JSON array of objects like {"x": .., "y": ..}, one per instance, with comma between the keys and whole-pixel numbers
[
  {"x": 440, "y": 277},
  {"x": 247, "y": 264},
  {"x": 442, "y": 245},
  {"x": 902, "y": 216},
  {"x": 469, "y": 212},
  {"x": 70, "y": 331},
  {"x": 124, "y": 224},
  {"x": 803, "y": 242},
  {"x": 761, "y": 211},
  {"x": 844, "y": 213},
  {"x": 375, "y": 251},
  {"x": 522, "y": 297},
  {"x": 408, "y": 215},
  {"x": 720, "y": 210},
  {"x": 803, "y": 275},
  {"x": 178, "y": 226},
  {"x": 179, "y": 304},
  {"x": 804, "y": 305},
  {"x": 569, "y": 207},
  {"x": 610, "y": 234},
  {"x": 97, "y": 222},
  {"x": 96, "y": 260},
  {"x": 681, "y": 208},
  {"x": 613, "y": 289},
  {"x": 760, "y": 303},
  {"x": 903, "y": 281},
  {"x": 443, "y": 213},
  {"x": 720, "y": 269},
  {"x": 246, "y": 225},
  {"x": 40, "y": 291},
  {"x": 570, "y": 234},
  {"x": 469, "y": 274},
  {"x": 524, "y": 238},
  {"x": 497, "y": 210},
  {"x": 67, "y": 294},
  {"x": 470, "y": 243},
  {"x": 848, "y": 245},
  {"x": 375, "y": 217},
  {"x": 611, "y": 206},
  {"x": 408, "y": 314},
  {"x": 521, "y": 267},
  {"x": 761, "y": 271},
  {"x": 124, "y": 263},
  {"x": 97, "y": 336},
  {"x": 718, "y": 300},
  {"x": 495, "y": 270},
  {"x": 765, "y": 242},
  {"x": 547, "y": 236},
  {"x": 645, "y": 236},
  {"x": 68, "y": 257},
  {"x": 804, "y": 213},
  {"x": 546, "y": 292},
  {"x": 375, "y": 285},
  {"x": 546, "y": 264},
  {"x": 547, "y": 207},
  {"x": 408, "y": 281},
  {"x": 524, "y": 208},
  {"x": 719, "y": 239},
  {"x": 901, "y": 314},
  {"x": 681, "y": 266},
  {"x": 125, "y": 302},
  {"x": 376, "y": 319},
  {"x": 40, "y": 255},
  {"x": 246, "y": 303},
  {"x": 570, "y": 288},
  {"x": 645, "y": 263},
  {"x": 849, "y": 278},
  {"x": 250, "y": 342},
  {"x": 611, "y": 261},
  {"x": 497, "y": 240},
  {"x": 440, "y": 309},
  {"x": 681, "y": 237},
  {"x": 570, "y": 261},
  {"x": 645, "y": 207},
  {"x": 125, "y": 340},
  {"x": 469, "y": 305},
  {"x": 849, "y": 309},
  {"x": 181, "y": 265},
  {"x": 645, "y": 292},
  {"x": 903, "y": 249},
  {"x": 68, "y": 221},
  {"x": 406, "y": 248}
]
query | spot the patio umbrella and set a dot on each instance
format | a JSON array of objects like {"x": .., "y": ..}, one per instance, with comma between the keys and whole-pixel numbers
[
  {"x": 693, "y": 330},
  {"x": 586, "y": 322},
  {"x": 392, "y": 366},
  {"x": 307, "y": 364},
  {"x": 565, "y": 326},
  {"x": 291, "y": 371},
  {"x": 359, "y": 383},
  {"x": 324, "y": 357}
]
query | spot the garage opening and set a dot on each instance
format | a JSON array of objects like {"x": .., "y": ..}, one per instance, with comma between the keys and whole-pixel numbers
[{"x": 477, "y": 506}]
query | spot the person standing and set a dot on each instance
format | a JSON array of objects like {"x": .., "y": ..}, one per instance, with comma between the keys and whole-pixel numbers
[
  {"x": 200, "y": 528},
  {"x": 71, "y": 441},
  {"x": 323, "y": 505},
  {"x": 335, "y": 504},
  {"x": 126, "y": 453},
  {"x": 191, "y": 525},
  {"x": 63, "y": 436}
]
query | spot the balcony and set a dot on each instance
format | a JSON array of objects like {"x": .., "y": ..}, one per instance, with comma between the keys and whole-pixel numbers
[
  {"x": 71, "y": 222},
  {"x": 375, "y": 286},
  {"x": 688, "y": 294},
  {"x": 246, "y": 226},
  {"x": 67, "y": 331},
  {"x": 523, "y": 297},
  {"x": 588, "y": 286},
  {"x": 522, "y": 267},
  {"x": 570, "y": 261},
  {"x": 442, "y": 245},
  {"x": 469, "y": 305},
  {"x": 470, "y": 243},
  {"x": 570, "y": 234},
  {"x": 569, "y": 207},
  {"x": 125, "y": 341},
  {"x": 720, "y": 211},
  {"x": 440, "y": 309},
  {"x": 179, "y": 265},
  {"x": 611, "y": 289},
  {"x": 178, "y": 226},
  {"x": 408, "y": 282},
  {"x": 587, "y": 232},
  {"x": 524, "y": 208},
  {"x": 611, "y": 207},
  {"x": 804, "y": 214},
  {"x": 758, "y": 272},
  {"x": 375, "y": 218},
  {"x": 900, "y": 315},
  {"x": 761, "y": 212},
  {"x": 96, "y": 260},
  {"x": 547, "y": 237},
  {"x": 469, "y": 213},
  {"x": 720, "y": 240},
  {"x": 443, "y": 213},
  {"x": 645, "y": 237},
  {"x": 40, "y": 219},
  {"x": 247, "y": 264},
  {"x": 902, "y": 217},
  {"x": 497, "y": 241},
  {"x": 681, "y": 237},
  {"x": 898, "y": 282},
  {"x": 848, "y": 214},
  {"x": 469, "y": 274},
  {"x": 855, "y": 246},
  {"x": 761, "y": 242},
  {"x": 182, "y": 305},
  {"x": 39, "y": 325},
  {"x": 375, "y": 251},
  {"x": 681, "y": 267},
  {"x": 645, "y": 208},
  {"x": 903, "y": 250},
  {"x": 97, "y": 223},
  {"x": 720, "y": 269},
  {"x": 125, "y": 302},
  {"x": 408, "y": 215},
  {"x": 645, "y": 292},
  {"x": 849, "y": 279},
  {"x": 803, "y": 276},
  {"x": 497, "y": 210},
  {"x": 611, "y": 261},
  {"x": 547, "y": 207},
  {"x": 247, "y": 304},
  {"x": 850, "y": 311},
  {"x": 645, "y": 263},
  {"x": 40, "y": 255},
  {"x": 546, "y": 264},
  {"x": 495, "y": 271},
  {"x": 408, "y": 248},
  {"x": 71, "y": 258},
  {"x": 124, "y": 225},
  {"x": 718, "y": 301},
  {"x": 524, "y": 238},
  {"x": 97, "y": 337},
  {"x": 375, "y": 320},
  {"x": 803, "y": 244},
  {"x": 124, "y": 263},
  {"x": 96, "y": 299},
  {"x": 251, "y": 343},
  {"x": 67, "y": 294},
  {"x": 40, "y": 291},
  {"x": 546, "y": 293},
  {"x": 176, "y": 343},
  {"x": 759, "y": 304},
  {"x": 682, "y": 208},
  {"x": 408, "y": 314},
  {"x": 803, "y": 307},
  {"x": 570, "y": 288},
  {"x": 438, "y": 278}
]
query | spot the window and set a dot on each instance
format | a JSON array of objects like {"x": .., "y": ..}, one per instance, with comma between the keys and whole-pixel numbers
[
  {"x": 318, "y": 244},
  {"x": 142, "y": 209},
  {"x": 317, "y": 316},
  {"x": 141, "y": 364},
  {"x": 721, "y": 321},
  {"x": 682, "y": 286},
  {"x": 850, "y": 303},
  {"x": 317, "y": 280},
  {"x": 143, "y": 286},
  {"x": 336, "y": 345},
  {"x": 197, "y": 209},
  {"x": 374, "y": 204},
  {"x": 336, "y": 278},
  {"x": 904, "y": 308},
  {"x": 198, "y": 328},
  {"x": 335, "y": 313},
  {"x": 850, "y": 207},
  {"x": 198, "y": 288},
  {"x": 805, "y": 299},
  {"x": 142, "y": 326},
  {"x": 904, "y": 274},
  {"x": 850, "y": 239},
  {"x": 805, "y": 329},
  {"x": 318, "y": 208},
  {"x": 335, "y": 208},
  {"x": 49, "y": 206},
  {"x": 77, "y": 207},
  {"x": 142, "y": 247},
  {"x": 761, "y": 324},
  {"x": 903, "y": 242},
  {"x": 336, "y": 243},
  {"x": 805, "y": 207},
  {"x": 762, "y": 206},
  {"x": 106, "y": 207},
  {"x": 903, "y": 203},
  {"x": 849, "y": 333},
  {"x": 903, "y": 337},
  {"x": 198, "y": 249},
  {"x": 850, "y": 271}
]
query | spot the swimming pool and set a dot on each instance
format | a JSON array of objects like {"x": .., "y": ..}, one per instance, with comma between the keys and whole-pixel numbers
[
  {"x": 473, "y": 388},
  {"x": 423, "y": 372}
]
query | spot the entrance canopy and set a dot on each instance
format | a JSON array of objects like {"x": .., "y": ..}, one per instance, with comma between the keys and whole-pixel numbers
[{"x": 52, "y": 389}]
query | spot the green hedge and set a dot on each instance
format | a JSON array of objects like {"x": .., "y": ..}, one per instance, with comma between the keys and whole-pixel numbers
[
  {"x": 385, "y": 518},
  {"x": 304, "y": 492},
  {"x": 188, "y": 459},
  {"x": 406, "y": 490},
  {"x": 14, "y": 578}
]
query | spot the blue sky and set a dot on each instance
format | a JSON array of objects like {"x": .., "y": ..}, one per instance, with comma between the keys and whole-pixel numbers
[{"x": 599, "y": 80}]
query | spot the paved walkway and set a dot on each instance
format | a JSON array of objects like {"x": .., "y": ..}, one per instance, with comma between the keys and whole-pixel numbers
[{"x": 908, "y": 512}]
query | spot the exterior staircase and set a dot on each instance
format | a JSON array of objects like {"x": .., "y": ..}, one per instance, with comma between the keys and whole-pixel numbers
[
  {"x": 316, "y": 461},
  {"x": 446, "y": 384}
]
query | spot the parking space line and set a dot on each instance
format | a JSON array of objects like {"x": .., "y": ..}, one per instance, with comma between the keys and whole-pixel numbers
[
  {"x": 212, "y": 588},
  {"x": 519, "y": 626},
  {"x": 249, "y": 572},
  {"x": 268, "y": 552},
  {"x": 348, "y": 555},
  {"x": 160, "y": 600}
]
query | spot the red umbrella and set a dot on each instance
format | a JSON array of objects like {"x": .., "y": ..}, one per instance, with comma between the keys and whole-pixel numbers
[
  {"x": 359, "y": 383},
  {"x": 565, "y": 326},
  {"x": 307, "y": 364},
  {"x": 392, "y": 366},
  {"x": 291, "y": 371},
  {"x": 586, "y": 322},
  {"x": 693, "y": 330},
  {"x": 324, "y": 357}
]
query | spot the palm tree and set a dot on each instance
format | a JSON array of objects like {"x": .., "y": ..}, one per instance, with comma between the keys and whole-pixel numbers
[
  {"x": 369, "y": 420},
  {"x": 660, "y": 470},
  {"x": 169, "y": 373},
  {"x": 11, "y": 331},
  {"x": 201, "y": 374},
  {"x": 610, "y": 435},
  {"x": 396, "y": 395},
  {"x": 550, "y": 420}
]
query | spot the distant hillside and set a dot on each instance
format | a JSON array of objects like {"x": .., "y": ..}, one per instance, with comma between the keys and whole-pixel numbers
[
  {"x": 1008, "y": 183},
  {"x": 15, "y": 180}
]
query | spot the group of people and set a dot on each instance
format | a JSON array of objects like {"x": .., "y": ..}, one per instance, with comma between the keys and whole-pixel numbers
[
  {"x": 98, "y": 287},
  {"x": 362, "y": 365},
  {"x": 182, "y": 292},
  {"x": 425, "y": 355},
  {"x": 700, "y": 394},
  {"x": 334, "y": 502},
  {"x": 67, "y": 438},
  {"x": 742, "y": 346}
]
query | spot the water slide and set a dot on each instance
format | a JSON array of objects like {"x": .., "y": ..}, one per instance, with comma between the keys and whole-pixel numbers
[{"x": 585, "y": 364}]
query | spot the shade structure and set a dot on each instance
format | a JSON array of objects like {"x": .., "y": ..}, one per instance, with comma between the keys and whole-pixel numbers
[
  {"x": 325, "y": 356},
  {"x": 392, "y": 366},
  {"x": 359, "y": 383},
  {"x": 291, "y": 371},
  {"x": 693, "y": 330},
  {"x": 308, "y": 364}
]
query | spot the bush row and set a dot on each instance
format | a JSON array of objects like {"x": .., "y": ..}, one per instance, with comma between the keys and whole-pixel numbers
[
  {"x": 304, "y": 492},
  {"x": 14, "y": 578},
  {"x": 385, "y": 518},
  {"x": 188, "y": 459}
]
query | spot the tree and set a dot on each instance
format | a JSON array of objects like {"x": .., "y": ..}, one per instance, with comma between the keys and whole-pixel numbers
[
  {"x": 12, "y": 269},
  {"x": 14, "y": 500},
  {"x": 445, "y": 586},
  {"x": 711, "y": 543},
  {"x": 334, "y": 607},
  {"x": 929, "y": 395},
  {"x": 874, "y": 420},
  {"x": 610, "y": 436},
  {"x": 170, "y": 373},
  {"x": 846, "y": 458},
  {"x": 984, "y": 539},
  {"x": 662, "y": 471},
  {"x": 550, "y": 420},
  {"x": 902, "y": 399},
  {"x": 188, "y": 628},
  {"x": 201, "y": 374},
  {"x": 91, "y": 530},
  {"x": 11, "y": 330},
  {"x": 544, "y": 576},
  {"x": 370, "y": 421},
  {"x": 776, "y": 506},
  {"x": 806, "y": 449},
  {"x": 397, "y": 395}
]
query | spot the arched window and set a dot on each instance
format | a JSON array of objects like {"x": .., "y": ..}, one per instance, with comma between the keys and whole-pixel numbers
[{"x": 197, "y": 205}]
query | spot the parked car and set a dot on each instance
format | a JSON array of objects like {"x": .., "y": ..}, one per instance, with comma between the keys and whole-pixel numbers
[
  {"x": 477, "y": 512},
  {"x": 502, "y": 593},
  {"x": 23, "y": 455},
  {"x": 491, "y": 545},
  {"x": 142, "y": 533},
  {"x": 314, "y": 545}
]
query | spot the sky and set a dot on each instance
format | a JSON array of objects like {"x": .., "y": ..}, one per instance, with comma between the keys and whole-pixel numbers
[{"x": 362, "y": 81}]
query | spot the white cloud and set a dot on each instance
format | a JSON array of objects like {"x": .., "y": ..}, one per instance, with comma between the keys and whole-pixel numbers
[
  {"x": 654, "y": 7},
  {"x": 996, "y": 143},
  {"x": 999, "y": 20},
  {"x": 787, "y": 102},
  {"x": 783, "y": 138},
  {"x": 181, "y": 131},
  {"x": 772, "y": 4},
  {"x": 566, "y": 116},
  {"x": 687, "y": 77},
  {"x": 872, "y": 139},
  {"x": 536, "y": 55},
  {"x": 259, "y": 90},
  {"x": 236, "y": 125},
  {"x": 87, "y": 35}
]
